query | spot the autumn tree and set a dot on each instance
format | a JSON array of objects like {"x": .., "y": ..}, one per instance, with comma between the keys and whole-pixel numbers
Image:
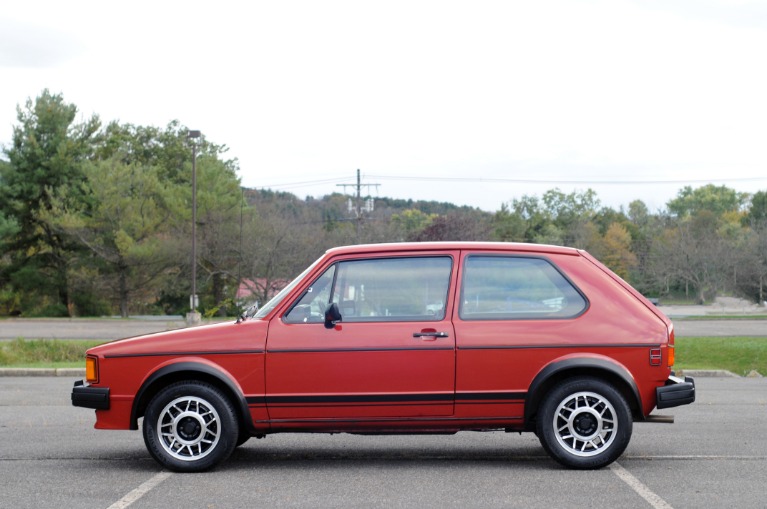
[{"x": 617, "y": 250}]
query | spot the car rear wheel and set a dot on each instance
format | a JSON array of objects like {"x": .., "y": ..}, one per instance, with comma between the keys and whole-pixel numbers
[
  {"x": 584, "y": 423},
  {"x": 190, "y": 426}
]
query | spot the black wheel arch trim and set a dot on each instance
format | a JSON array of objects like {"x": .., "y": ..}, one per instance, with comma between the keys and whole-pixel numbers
[
  {"x": 579, "y": 366},
  {"x": 141, "y": 400}
]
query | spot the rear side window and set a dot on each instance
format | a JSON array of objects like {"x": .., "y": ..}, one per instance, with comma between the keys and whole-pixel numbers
[{"x": 517, "y": 288}]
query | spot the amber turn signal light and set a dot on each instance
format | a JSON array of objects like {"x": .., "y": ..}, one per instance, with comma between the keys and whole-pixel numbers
[
  {"x": 671, "y": 355},
  {"x": 91, "y": 369}
]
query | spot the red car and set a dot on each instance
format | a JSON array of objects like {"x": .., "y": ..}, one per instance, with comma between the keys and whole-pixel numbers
[{"x": 405, "y": 338}]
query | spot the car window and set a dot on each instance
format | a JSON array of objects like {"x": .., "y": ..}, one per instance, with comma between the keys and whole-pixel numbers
[
  {"x": 514, "y": 287},
  {"x": 310, "y": 308},
  {"x": 277, "y": 299},
  {"x": 378, "y": 290}
]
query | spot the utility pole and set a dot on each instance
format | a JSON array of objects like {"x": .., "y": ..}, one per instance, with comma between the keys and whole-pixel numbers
[
  {"x": 358, "y": 208},
  {"x": 193, "y": 318}
]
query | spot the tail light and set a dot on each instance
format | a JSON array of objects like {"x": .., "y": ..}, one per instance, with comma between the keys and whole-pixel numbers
[
  {"x": 670, "y": 357},
  {"x": 655, "y": 356}
]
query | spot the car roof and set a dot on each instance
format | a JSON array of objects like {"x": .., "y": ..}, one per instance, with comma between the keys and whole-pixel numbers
[{"x": 403, "y": 247}]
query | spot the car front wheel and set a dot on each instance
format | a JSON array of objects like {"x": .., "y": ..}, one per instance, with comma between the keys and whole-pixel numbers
[
  {"x": 584, "y": 423},
  {"x": 190, "y": 426}
]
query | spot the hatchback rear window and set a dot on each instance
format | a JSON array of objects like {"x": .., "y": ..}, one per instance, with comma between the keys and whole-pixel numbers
[{"x": 517, "y": 288}]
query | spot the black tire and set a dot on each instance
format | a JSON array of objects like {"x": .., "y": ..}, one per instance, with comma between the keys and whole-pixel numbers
[
  {"x": 190, "y": 426},
  {"x": 584, "y": 423}
]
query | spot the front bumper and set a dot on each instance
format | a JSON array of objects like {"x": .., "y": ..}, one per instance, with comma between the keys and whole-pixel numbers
[
  {"x": 676, "y": 392},
  {"x": 90, "y": 397}
]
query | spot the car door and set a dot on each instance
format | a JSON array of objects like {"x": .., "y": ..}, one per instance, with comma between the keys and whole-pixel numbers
[{"x": 392, "y": 353}]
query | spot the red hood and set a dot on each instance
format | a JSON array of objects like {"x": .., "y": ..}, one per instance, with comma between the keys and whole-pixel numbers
[{"x": 247, "y": 335}]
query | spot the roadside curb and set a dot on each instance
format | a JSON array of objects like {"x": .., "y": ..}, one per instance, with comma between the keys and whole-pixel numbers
[
  {"x": 706, "y": 373},
  {"x": 73, "y": 372}
]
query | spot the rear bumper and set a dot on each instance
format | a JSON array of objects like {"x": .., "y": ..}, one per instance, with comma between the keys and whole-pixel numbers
[
  {"x": 676, "y": 392},
  {"x": 90, "y": 397}
]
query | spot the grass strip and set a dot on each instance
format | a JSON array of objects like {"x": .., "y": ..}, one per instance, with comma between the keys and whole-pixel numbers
[
  {"x": 738, "y": 354},
  {"x": 44, "y": 353}
]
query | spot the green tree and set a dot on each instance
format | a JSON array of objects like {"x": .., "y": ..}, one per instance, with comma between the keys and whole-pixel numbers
[
  {"x": 167, "y": 149},
  {"x": 715, "y": 199},
  {"x": 509, "y": 226},
  {"x": 410, "y": 222},
  {"x": 220, "y": 206},
  {"x": 46, "y": 155},
  {"x": 523, "y": 220},
  {"x": 645, "y": 229},
  {"x": 127, "y": 229},
  {"x": 757, "y": 211}
]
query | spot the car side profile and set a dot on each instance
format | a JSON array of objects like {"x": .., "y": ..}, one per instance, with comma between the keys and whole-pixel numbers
[{"x": 405, "y": 338}]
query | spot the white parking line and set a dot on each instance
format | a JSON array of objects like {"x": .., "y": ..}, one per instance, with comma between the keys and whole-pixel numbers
[
  {"x": 140, "y": 491},
  {"x": 635, "y": 484}
]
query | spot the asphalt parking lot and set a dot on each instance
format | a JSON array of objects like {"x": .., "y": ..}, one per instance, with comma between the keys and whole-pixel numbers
[{"x": 714, "y": 455}]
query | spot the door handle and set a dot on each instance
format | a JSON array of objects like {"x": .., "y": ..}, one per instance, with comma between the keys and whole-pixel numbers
[{"x": 432, "y": 334}]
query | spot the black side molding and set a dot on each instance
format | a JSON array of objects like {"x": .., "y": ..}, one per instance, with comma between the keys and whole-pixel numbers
[{"x": 90, "y": 397}]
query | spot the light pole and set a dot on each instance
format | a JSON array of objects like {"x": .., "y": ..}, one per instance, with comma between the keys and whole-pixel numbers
[{"x": 194, "y": 317}]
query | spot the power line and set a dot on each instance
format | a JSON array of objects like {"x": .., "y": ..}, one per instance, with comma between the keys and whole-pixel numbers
[
  {"x": 305, "y": 183},
  {"x": 479, "y": 180},
  {"x": 541, "y": 181}
]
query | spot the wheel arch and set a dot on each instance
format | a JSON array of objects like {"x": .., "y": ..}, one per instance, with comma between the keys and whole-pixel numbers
[
  {"x": 192, "y": 371},
  {"x": 603, "y": 369}
]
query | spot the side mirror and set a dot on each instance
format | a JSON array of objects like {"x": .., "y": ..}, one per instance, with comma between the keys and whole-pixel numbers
[{"x": 332, "y": 316}]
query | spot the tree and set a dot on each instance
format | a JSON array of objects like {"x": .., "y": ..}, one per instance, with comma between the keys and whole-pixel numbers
[
  {"x": 455, "y": 227},
  {"x": 220, "y": 206},
  {"x": 46, "y": 155},
  {"x": 694, "y": 253},
  {"x": 281, "y": 237},
  {"x": 219, "y": 203},
  {"x": 166, "y": 149},
  {"x": 715, "y": 199},
  {"x": 754, "y": 280},
  {"x": 757, "y": 212},
  {"x": 508, "y": 226},
  {"x": 411, "y": 222},
  {"x": 523, "y": 220},
  {"x": 617, "y": 250},
  {"x": 645, "y": 229},
  {"x": 127, "y": 228},
  {"x": 566, "y": 209}
]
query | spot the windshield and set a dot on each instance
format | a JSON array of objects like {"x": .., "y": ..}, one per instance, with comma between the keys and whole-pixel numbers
[{"x": 277, "y": 299}]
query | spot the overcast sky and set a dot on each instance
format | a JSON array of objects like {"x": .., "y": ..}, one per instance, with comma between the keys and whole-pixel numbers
[{"x": 474, "y": 102}]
